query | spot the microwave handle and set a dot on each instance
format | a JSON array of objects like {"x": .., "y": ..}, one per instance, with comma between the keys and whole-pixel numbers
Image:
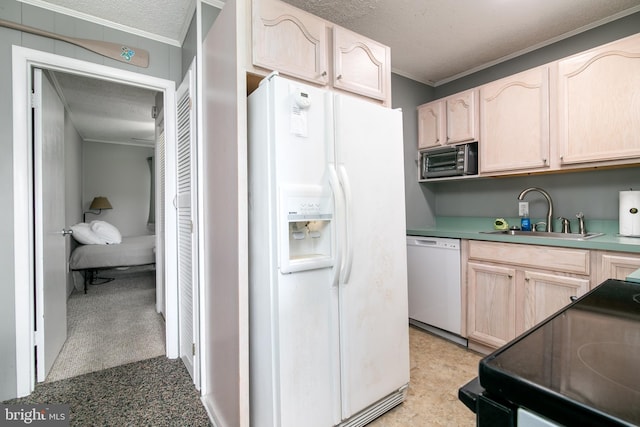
[{"x": 422, "y": 165}]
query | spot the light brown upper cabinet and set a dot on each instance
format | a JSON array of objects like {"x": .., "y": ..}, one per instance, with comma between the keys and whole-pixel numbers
[
  {"x": 450, "y": 120},
  {"x": 462, "y": 117},
  {"x": 431, "y": 125},
  {"x": 577, "y": 113},
  {"x": 514, "y": 123},
  {"x": 301, "y": 45},
  {"x": 599, "y": 105},
  {"x": 290, "y": 41},
  {"x": 360, "y": 65}
]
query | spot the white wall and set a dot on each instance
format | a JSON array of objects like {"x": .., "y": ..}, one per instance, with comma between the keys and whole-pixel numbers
[
  {"x": 224, "y": 230},
  {"x": 73, "y": 184},
  {"x": 120, "y": 173}
]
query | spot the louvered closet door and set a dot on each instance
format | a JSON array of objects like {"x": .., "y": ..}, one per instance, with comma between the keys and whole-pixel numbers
[{"x": 187, "y": 234}]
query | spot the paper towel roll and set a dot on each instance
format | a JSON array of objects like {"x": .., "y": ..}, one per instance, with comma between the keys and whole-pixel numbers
[{"x": 629, "y": 217}]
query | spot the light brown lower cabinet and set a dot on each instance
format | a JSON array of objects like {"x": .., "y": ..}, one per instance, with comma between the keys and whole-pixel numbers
[
  {"x": 545, "y": 293},
  {"x": 491, "y": 304},
  {"x": 615, "y": 265},
  {"x": 511, "y": 288}
]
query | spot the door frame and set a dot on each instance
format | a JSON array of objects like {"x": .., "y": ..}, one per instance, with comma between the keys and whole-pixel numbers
[{"x": 23, "y": 61}]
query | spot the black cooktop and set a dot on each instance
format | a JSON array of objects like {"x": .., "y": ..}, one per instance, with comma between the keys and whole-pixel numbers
[{"x": 580, "y": 367}]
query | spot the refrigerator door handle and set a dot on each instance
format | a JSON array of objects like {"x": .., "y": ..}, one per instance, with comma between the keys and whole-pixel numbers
[
  {"x": 344, "y": 179},
  {"x": 338, "y": 199}
]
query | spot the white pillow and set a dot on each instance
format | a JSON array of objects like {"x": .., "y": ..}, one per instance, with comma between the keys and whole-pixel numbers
[
  {"x": 83, "y": 234},
  {"x": 108, "y": 232}
]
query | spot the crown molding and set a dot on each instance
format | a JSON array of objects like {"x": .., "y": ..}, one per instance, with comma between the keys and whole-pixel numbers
[{"x": 99, "y": 21}]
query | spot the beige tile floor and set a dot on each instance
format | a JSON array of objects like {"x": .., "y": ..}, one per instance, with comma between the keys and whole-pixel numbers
[{"x": 438, "y": 368}]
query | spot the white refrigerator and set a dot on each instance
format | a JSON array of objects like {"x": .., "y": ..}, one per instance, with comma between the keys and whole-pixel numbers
[{"x": 329, "y": 338}]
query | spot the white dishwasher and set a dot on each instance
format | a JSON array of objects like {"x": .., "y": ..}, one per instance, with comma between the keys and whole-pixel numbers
[{"x": 435, "y": 302}]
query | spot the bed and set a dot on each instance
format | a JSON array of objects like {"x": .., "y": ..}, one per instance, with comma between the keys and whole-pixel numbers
[{"x": 87, "y": 260}]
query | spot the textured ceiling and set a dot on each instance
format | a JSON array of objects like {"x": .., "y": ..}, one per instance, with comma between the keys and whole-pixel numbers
[
  {"x": 164, "y": 20},
  {"x": 432, "y": 41},
  {"x": 103, "y": 111}
]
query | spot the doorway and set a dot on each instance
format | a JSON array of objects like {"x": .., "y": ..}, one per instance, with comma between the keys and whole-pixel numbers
[
  {"x": 24, "y": 61},
  {"x": 104, "y": 136}
]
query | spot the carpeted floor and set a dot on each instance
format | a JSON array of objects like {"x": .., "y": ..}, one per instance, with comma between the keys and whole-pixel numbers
[
  {"x": 154, "y": 392},
  {"x": 111, "y": 325}
]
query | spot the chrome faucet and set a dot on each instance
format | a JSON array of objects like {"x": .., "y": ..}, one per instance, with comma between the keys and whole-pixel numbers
[
  {"x": 566, "y": 225},
  {"x": 549, "y": 227},
  {"x": 582, "y": 228}
]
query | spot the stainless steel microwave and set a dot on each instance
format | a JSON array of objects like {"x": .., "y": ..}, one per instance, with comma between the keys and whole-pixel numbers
[{"x": 457, "y": 160}]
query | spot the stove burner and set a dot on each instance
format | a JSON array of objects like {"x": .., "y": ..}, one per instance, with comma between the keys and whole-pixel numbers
[{"x": 611, "y": 361}]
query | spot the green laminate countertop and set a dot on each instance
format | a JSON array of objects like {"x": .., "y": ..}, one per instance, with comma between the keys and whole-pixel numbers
[
  {"x": 470, "y": 228},
  {"x": 634, "y": 277}
]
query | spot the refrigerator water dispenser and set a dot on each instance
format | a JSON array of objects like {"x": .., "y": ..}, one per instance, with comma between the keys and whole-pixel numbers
[{"x": 305, "y": 231}]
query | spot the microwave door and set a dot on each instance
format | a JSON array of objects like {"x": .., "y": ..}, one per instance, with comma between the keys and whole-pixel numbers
[
  {"x": 440, "y": 164},
  {"x": 441, "y": 160}
]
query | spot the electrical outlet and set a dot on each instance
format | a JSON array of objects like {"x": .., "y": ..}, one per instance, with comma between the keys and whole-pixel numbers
[{"x": 523, "y": 208}]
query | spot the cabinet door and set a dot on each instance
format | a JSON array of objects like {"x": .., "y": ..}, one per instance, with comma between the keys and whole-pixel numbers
[
  {"x": 616, "y": 266},
  {"x": 462, "y": 117},
  {"x": 567, "y": 260},
  {"x": 361, "y": 65},
  {"x": 289, "y": 40},
  {"x": 598, "y": 101},
  {"x": 514, "y": 122},
  {"x": 546, "y": 293},
  {"x": 431, "y": 123},
  {"x": 491, "y": 299}
]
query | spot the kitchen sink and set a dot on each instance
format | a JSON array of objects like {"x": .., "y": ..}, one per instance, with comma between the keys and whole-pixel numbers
[{"x": 552, "y": 235}]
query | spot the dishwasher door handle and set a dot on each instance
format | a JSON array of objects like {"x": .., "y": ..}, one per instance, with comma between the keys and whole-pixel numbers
[{"x": 425, "y": 242}]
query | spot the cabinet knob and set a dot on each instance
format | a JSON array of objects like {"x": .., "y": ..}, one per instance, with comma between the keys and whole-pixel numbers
[
  {"x": 339, "y": 77},
  {"x": 324, "y": 74},
  {"x": 510, "y": 276},
  {"x": 544, "y": 161},
  {"x": 526, "y": 279}
]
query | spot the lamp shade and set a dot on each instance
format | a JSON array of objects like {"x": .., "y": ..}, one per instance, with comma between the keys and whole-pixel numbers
[{"x": 100, "y": 203}]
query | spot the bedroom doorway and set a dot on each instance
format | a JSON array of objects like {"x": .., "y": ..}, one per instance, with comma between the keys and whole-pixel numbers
[
  {"x": 24, "y": 61},
  {"x": 94, "y": 137},
  {"x": 109, "y": 150}
]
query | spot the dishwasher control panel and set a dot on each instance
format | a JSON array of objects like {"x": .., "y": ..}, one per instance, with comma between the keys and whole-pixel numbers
[{"x": 434, "y": 242}]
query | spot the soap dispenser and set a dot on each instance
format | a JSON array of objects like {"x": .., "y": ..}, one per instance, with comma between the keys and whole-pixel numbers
[{"x": 523, "y": 211}]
